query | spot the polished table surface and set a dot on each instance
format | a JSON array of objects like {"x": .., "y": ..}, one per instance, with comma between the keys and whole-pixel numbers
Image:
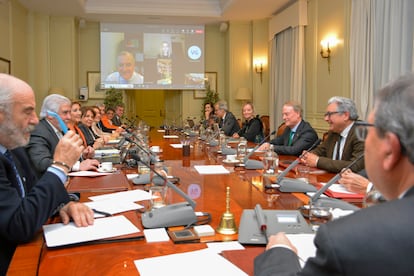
[{"x": 209, "y": 192}]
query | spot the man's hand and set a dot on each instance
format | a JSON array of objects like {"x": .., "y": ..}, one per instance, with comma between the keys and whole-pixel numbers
[
  {"x": 280, "y": 239},
  {"x": 309, "y": 159},
  {"x": 81, "y": 214},
  {"x": 89, "y": 165},
  {"x": 88, "y": 153},
  {"x": 68, "y": 149},
  {"x": 354, "y": 182},
  {"x": 264, "y": 147}
]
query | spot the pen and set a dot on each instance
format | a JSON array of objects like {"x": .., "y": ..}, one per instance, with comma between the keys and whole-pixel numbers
[{"x": 102, "y": 213}]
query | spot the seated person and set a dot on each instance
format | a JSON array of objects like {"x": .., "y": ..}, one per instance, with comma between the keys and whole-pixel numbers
[
  {"x": 85, "y": 126},
  {"x": 209, "y": 116},
  {"x": 97, "y": 127},
  {"x": 47, "y": 133},
  {"x": 126, "y": 70},
  {"x": 341, "y": 145},
  {"x": 26, "y": 201},
  {"x": 252, "y": 128},
  {"x": 228, "y": 122},
  {"x": 107, "y": 124},
  {"x": 298, "y": 134}
]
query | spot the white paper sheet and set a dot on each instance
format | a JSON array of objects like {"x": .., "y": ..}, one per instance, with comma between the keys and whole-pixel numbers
[
  {"x": 178, "y": 146},
  {"x": 89, "y": 173},
  {"x": 211, "y": 169},
  {"x": 338, "y": 188},
  {"x": 220, "y": 246},
  {"x": 170, "y": 136},
  {"x": 112, "y": 206},
  {"x": 59, "y": 234},
  {"x": 156, "y": 235},
  {"x": 129, "y": 196},
  {"x": 201, "y": 263},
  {"x": 305, "y": 246}
]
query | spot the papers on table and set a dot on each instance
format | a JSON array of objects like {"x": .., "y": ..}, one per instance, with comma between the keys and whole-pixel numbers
[
  {"x": 304, "y": 244},
  {"x": 178, "y": 146},
  {"x": 156, "y": 235},
  {"x": 211, "y": 169},
  {"x": 112, "y": 206},
  {"x": 222, "y": 246},
  {"x": 131, "y": 196},
  {"x": 170, "y": 136},
  {"x": 188, "y": 264},
  {"x": 89, "y": 173},
  {"x": 59, "y": 234}
]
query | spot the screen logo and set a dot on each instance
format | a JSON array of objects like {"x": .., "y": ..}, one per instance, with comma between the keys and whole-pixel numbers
[{"x": 194, "y": 52}]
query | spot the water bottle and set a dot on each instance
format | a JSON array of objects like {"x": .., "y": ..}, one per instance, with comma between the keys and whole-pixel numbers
[
  {"x": 270, "y": 162},
  {"x": 241, "y": 149}
]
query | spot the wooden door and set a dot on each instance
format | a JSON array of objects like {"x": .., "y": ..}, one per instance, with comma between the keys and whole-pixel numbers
[{"x": 150, "y": 106}]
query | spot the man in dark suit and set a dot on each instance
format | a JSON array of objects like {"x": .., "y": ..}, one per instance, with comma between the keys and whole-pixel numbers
[
  {"x": 25, "y": 202},
  {"x": 377, "y": 240},
  {"x": 298, "y": 134},
  {"x": 119, "y": 112},
  {"x": 341, "y": 145},
  {"x": 228, "y": 123},
  {"x": 47, "y": 133}
]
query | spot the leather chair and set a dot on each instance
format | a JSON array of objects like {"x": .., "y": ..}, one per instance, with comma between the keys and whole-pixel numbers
[{"x": 266, "y": 124}]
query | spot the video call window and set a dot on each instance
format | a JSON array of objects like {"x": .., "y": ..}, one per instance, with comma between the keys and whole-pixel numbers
[{"x": 137, "y": 56}]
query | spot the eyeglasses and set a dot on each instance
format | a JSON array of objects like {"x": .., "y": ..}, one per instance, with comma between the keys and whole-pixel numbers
[
  {"x": 361, "y": 130},
  {"x": 330, "y": 113}
]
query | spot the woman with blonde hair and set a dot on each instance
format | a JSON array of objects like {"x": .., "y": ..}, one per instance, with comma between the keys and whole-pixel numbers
[{"x": 252, "y": 128}]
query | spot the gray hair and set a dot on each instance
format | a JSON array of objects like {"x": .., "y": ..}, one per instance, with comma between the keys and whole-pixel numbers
[
  {"x": 394, "y": 112},
  {"x": 6, "y": 93},
  {"x": 296, "y": 107},
  {"x": 223, "y": 105},
  {"x": 53, "y": 103},
  {"x": 345, "y": 105}
]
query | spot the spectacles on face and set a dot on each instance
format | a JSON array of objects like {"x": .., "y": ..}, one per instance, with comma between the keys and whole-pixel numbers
[
  {"x": 330, "y": 113},
  {"x": 361, "y": 130}
]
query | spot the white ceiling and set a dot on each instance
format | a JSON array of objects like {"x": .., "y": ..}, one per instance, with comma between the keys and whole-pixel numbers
[{"x": 160, "y": 11}]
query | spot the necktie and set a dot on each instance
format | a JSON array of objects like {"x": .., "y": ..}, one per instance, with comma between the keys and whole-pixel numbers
[
  {"x": 9, "y": 157},
  {"x": 292, "y": 133},
  {"x": 338, "y": 148}
]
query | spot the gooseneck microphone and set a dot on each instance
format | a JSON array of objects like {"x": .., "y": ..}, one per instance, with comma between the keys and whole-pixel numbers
[
  {"x": 153, "y": 157},
  {"x": 170, "y": 215},
  {"x": 333, "y": 202},
  {"x": 251, "y": 164},
  {"x": 297, "y": 160}
]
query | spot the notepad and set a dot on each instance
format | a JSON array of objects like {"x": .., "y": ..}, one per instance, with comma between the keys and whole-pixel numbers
[{"x": 156, "y": 235}]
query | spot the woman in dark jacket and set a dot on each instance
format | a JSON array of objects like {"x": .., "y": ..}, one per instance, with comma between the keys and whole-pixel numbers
[{"x": 252, "y": 128}]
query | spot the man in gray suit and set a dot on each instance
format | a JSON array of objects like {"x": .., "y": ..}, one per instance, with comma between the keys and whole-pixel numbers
[
  {"x": 298, "y": 134},
  {"x": 341, "y": 146},
  {"x": 377, "y": 240},
  {"x": 47, "y": 133},
  {"x": 228, "y": 123}
]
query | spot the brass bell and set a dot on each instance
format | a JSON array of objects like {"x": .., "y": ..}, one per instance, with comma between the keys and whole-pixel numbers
[{"x": 227, "y": 224}]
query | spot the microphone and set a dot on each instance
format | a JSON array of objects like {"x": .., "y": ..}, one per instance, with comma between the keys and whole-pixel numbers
[
  {"x": 170, "y": 215},
  {"x": 333, "y": 202},
  {"x": 153, "y": 158},
  {"x": 261, "y": 220},
  {"x": 297, "y": 160},
  {"x": 292, "y": 185},
  {"x": 251, "y": 164}
]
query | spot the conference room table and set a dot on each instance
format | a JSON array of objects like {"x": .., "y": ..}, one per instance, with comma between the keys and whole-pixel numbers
[{"x": 208, "y": 191}]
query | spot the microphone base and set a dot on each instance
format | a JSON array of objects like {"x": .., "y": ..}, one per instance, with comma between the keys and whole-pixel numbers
[
  {"x": 171, "y": 215},
  {"x": 335, "y": 203},
  {"x": 251, "y": 164},
  {"x": 291, "y": 185}
]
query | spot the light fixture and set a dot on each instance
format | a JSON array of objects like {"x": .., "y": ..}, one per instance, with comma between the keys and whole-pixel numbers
[
  {"x": 243, "y": 94},
  {"x": 258, "y": 67},
  {"x": 326, "y": 45}
]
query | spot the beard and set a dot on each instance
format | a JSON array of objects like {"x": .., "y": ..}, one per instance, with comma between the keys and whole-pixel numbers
[{"x": 17, "y": 137}]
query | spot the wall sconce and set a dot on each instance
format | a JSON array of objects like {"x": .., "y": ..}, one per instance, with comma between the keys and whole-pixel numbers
[
  {"x": 326, "y": 45},
  {"x": 258, "y": 68}
]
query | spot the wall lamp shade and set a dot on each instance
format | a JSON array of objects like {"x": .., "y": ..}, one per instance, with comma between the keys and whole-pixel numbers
[{"x": 243, "y": 94}]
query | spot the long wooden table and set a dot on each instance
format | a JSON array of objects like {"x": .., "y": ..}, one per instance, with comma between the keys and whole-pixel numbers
[{"x": 117, "y": 258}]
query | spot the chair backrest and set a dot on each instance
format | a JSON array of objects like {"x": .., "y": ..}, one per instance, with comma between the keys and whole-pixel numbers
[
  {"x": 266, "y": 124},
  {"x": 281, "y": 129}
]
